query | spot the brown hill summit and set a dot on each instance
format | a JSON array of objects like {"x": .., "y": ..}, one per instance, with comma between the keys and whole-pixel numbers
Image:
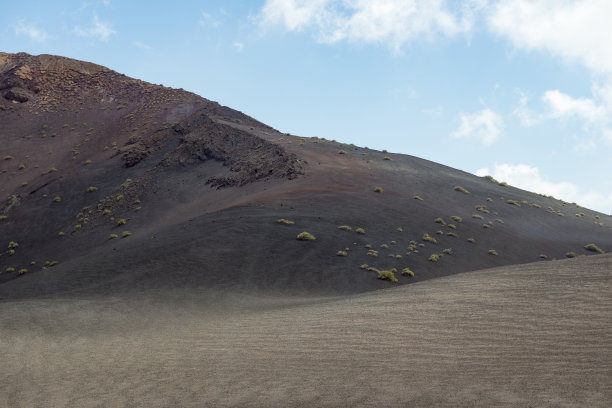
[{"x": 112, "y": 184}]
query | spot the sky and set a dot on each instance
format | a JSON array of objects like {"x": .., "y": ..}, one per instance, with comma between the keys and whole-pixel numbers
[{"x": 517, "y": 89}]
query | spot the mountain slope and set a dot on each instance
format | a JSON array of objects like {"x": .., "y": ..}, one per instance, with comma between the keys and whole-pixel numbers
[{"x": 193, "y": 191}]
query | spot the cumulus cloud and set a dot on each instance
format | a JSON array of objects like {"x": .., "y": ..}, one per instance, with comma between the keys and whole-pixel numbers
[
  {"x": 30, "y": 30},
  {"x": 484, "y": 126},
  {"x": 389, "y": 22},
  {"x": 206, "y": 20},
  {"x": 576, "y": 30},
  {"x": 99, "y": 30},
  {"x": 529, "y": 178}
]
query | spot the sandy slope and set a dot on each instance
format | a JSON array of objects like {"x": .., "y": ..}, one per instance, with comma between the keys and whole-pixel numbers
[{"x": 526, "y": 335}]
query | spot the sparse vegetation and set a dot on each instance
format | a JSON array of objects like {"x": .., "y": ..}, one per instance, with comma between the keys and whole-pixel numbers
[
  {"x": 457, "y": 218},
  {"x": 23, "y": 271},
  {"x": 514, "y": 202},
  {"x": 571, "y": 254},
  {"x": 8, "y": 157},
  {"x": 387, "y": 158},
  {"x": 486, "y": 226},
  {"x": 305, "y": 236},
  {"x": 342, "y": 253},
  {"x": 452, "y": 234},
  {"x": 360, "y": 231},
  {"x": 428, "y": 238},
  {"x": 491, "y": 179},
  {"x": 593, "y": 248},
  {"x": 493, "y": 252},
  {"x": 92, "y": 189},
  {"x": 416, "y": 197},
  {"x": 439, "y": 221},
  {"x": 126, "y": 234},
  {"x": 448, "y": 251},
  {"x": 407, "y": 272},
  {"x": 543, "y": 256},
  {"x": 399, "y": 229},
  {"x": 57, "y": 199},
  {"x": 372, "y": 252},
  {"x": 341, "y": 151},
  {"x": 387, "y": 275},
  {"x": 471, "y": 240},
  {"x": 121, "y": 221},
  {"x": 285, "y": 221},
  {"x": 463, "y": 190},
  {"x": 378, "y": 189},
  {"x": 345, "y": 228},
  {"x": 434, "y": 258},
  {"x": 477, "y": 216},
  {"x": 113, "y": 236},
  {"x": 452, "y": 226}
]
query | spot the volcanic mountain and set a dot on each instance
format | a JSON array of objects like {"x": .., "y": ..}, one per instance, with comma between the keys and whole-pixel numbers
[{"x": 114, "y": 188}]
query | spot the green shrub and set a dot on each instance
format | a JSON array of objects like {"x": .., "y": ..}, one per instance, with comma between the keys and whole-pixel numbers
[
  {"x": 482, "y": 208},
  {"x": 393, "y": 242},
  {"x": 439, "y": 221},
  {"x": 305, "y": 236},
  {"x": 416, "y": 197},
  {"x": 13, "y": 245},
  {"x": 113, "y": 236},
  {"x": 3, "y": 217},
  {"x": 452, "y": 234},
  {"x": 499, "y": 221},
  {"x": 51, "y": 263},
  {"x": 7, "y": 157},
  {"x": 77, "y": 227},
  {"x": 21, "y": 166},
  {"x": 384, "y": 246},
  {"x": 439, "y": 232},
  {"x": 368, "y": 246},
  {"x": 126, "y": 234},
  {"x": 477, "y": 216},
  {"x": 492, "y": 252},
  {"x": 372, "y": 252},
  {"x": 452, "y": 226},
  {"x": 514, "y": 202},
  {"x": 387, "y": 158},
  {"x": 570, "y": 254},
  {"x": 471, "y": 240},
  {"x": 503, "y": 184},
  {"x": 122, "y": 221},
  {"x": 448, "y": 251},
  {"x": 543, "y": 256},
  {"x": 285, "y": 222},
  {"x": 491, "y": 179},
  {"x": 434, "y": 258},
  {"x": 387, "y": 275},
  {"x": 463, "y": 190},
  {"x": 10, "y": 269},
  {"x": 399, "y": 229},
  {"x": 341, "y": 151},
  {"x": 364, "y": 266},
  {"x": 23, "y": 271},
  {"x": 378, "y": 189},
  {"x": 119, "y": 197},
  {"x": 486, "y": 226},
  {"x": 593, "y": 248},
  {"x": 92, "y": 189},
  {"x": 428, "y": 238},
  {"x": 57, "y": 199},
  {"x": 457, "y": 218},
  {"x": 106, "y": 211},
  {"x": 407, "y": 272},
  {"x": 342, "y": 253},
  {"x": 360, "y": 231},
  {"x": 345, "y": 228}
]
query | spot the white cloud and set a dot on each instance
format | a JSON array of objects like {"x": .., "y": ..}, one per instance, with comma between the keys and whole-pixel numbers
[
  {"x": 99, "y": 29},
  {"x": 206, "y": 20},
  {"x": 529, "y": 178},
  {"x": 390, "y": 22},
  {"x": 30, "y": 30},
  {"x": 562, "y": 105},
  {"x": 142, "y": 45},
  {"x": 484, "y": 126},
  {"x": 238, "y": 46},
  {"x": 575, "y": 30}
]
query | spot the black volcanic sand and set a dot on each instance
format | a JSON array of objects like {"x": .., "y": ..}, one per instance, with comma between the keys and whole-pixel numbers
[{"x": 518, "y": 336}]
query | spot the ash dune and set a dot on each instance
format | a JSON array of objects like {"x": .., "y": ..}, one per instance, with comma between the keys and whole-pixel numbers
[
  {"x": 527, "y": 335},
  {"x": 143, "y": 263}
]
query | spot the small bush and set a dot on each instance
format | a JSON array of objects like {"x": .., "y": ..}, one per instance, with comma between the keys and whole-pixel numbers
[
  {"x": 342, "y": 253},
  {"x": 486, "y": 226},
  {"x": 10, "y": 269},
  {"x": 514, "y": 202},
  {"x": 113, "y": 236},
  {"x": 384, "y": 246},
  {"x": 434, "y": 258},
  {"x": 463, "y": 190},
  {"x": 378, "y": 189},
  {"x": 61, "y": 233},
  {"x": 492, "y": 252},
  {"x": 416, "y": 197},
  {"x": 428, "y": 238},
  {"x": 126, "y": 234},
  {"x": 503, "y": 184},
  {"x": 440, "y": 232},
  {"x": 372, "y": 252},
  {"x": 452, "y": 226},
  {"x": 23, "y": 271},
  {"x": 13, "y": 245},
  {"x": 57, "y": 199},
  {"x": 341, "y": 151},
  {"x": 8, "y": 157},
  {"x": 399, "y": 229},
  {"x": 106, "y": 211},
  {"x": 477, "y": 216},
  {"x": 122, "y": 221},
  {"x": 407, "y": 272},
  {"x": 543, "y": 256},
  {"x": 345, "y": 228},
  {"x": 448, "y": 251},
  {"x": 499, "y": 221},
  {"x": 387, "y": 275},
  {"x": 77, "y": 227},
  {"x": 305, "y": 236},
  {"x": 452, "y": 234},
  {"x": 482, "y": 208},
  {"x": 92, "y": 189},
  {"x": 387, "y": 158},
  {"x": 457, "y": 218},
  {"x": 368, "y": 246},
  {"x": 51, "y": 263},
  {"x": 364, "y": 266},
  {"x": 471, "y": 240},
  {"x": 360, "y": 231},
  {"x": 3, "y": 217},
  {"x": 393, "y": 242},
  {"x": 439, "y": 221},
  {"x": 491, "y": 179},
  {"x": 119, "y": 197},
  {"x": 593, "y": 248},
  {"x": 570, "y": 254},
  {"x": 285, "y": 222}
]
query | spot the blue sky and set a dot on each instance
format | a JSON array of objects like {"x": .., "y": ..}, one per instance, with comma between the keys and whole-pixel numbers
[{"x": 521, "y": 90}]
